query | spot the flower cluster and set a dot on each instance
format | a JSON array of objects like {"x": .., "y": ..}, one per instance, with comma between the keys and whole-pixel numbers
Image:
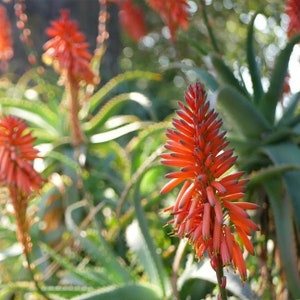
[
  {"x": 208, "y": 210},
  {"x": 173, "y": 13},
  {"x": 6, "y": 42},
  {"x": 17, "y": 173},
  {"x": 67, "y": 49},
  {"x": 292, "y": 9},
  {"x": 17, "y": 156},
  {"x": 132, "y": 20}
]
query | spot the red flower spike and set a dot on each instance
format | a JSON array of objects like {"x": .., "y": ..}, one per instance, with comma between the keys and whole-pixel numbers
[
  {"x": 6, "y": 41},
  {"x": 292, "y": 9},
  {"x": 173, "y": 13},
  {"x": 17, "y": 155},
  {"x": 67, "y": 49},
  {"x": 208, "y": 209},
  {"x": 132, "y": 20}
]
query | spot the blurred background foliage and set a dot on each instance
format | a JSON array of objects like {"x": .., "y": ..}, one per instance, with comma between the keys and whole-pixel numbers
[{"x": 100, "y": 231}]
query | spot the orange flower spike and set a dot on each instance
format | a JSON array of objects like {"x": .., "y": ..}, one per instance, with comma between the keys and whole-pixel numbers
[
  {"x": 173, "y": 12},
  {"x": 6, "y": 40},
  {"x": 17, "y": 155},
  {"x": 67, "y": 49},
  {"x": 132, "y": 19},
  {"x": 292, "y": 9},
  {"x": 207, "y": 207}
]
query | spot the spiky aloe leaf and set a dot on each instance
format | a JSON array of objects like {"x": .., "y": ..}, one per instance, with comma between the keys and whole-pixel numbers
[
  {"x": 152, "y": 261},
  {"x": 252, "y": 62},
  {"x": 131, "y": 291},
  {"x": 39, "y": 114},
  {"x": 287, "y": 117},
  {"x": 272, "y": 96},
  {"x": 97, "y": 247},
  {"x": 288, "y": 153},
  {"x": 110, "y": 109},
  {"x": 118, "y": 132},
  {"x": 242, "y": 114},
  {"x": 226, "y": 76},
  {"x": 100, "y": 95},
  {"x": 89, "y": 278},
  {"x": 282, "y": 212}
]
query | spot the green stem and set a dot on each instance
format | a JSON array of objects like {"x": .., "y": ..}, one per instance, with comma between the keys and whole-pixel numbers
[
  {"x": 221, "y": 285},
  {"x": 209, "y": 28}
]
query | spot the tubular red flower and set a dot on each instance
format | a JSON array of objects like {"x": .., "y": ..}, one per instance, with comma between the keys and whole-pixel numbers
[
  {"x": 17, "y": 155},
  {"x": 292, "y": 9},
  {"x": 207, "y": 210},
  {"x": 132, "y": 20},
  {"x": 173, "y": 13},
  {"x": 6, "y": 42},
  {"x": 67, "y": 49}
]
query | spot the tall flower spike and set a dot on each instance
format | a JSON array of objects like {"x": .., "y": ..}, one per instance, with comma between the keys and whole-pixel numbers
[
  {"x": 67, "y": 49},
  {"x": 208, "y": 210},
  {"x": 292, "y": 9},
  {"x": 173, "y": 13},
  {"x": 6, "y": 42},
  {"x": 132, "y": 19},
  {"x": 17, "y": 173},
  {"x": 17, "y": 155}
]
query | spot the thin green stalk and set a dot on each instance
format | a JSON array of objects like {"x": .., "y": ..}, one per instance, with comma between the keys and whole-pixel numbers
[
  {"x": 209, "y": 28},
  {"x": 220, "y": 277}
]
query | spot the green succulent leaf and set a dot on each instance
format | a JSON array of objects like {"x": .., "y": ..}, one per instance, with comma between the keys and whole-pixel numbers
[
  {"x": 252, "y": 63},
  {"x": 118, "y": 132},
  {"x": 38, "y": 114},
  {"x": 153, "y": 263},
  {"x": 226, "y": 76},
  {"x": 100, "y": 95},
  {"x": 206, "y": 78},
  {"x": 126, "y": 292},
  {"x": 282, "y": 211},
  {"x": 287, "y": 117},
  {"x": 98, "y": 248},
  {"x": 272, "y": 96},
  {"x": 84, "y": 275},
  {"x": 288, "y": 153},
  {"x": 242, "y": 114},
  {"x": 110, "y": 109}
]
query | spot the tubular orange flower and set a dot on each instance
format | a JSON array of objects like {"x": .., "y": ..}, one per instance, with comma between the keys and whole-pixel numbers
[
  {"x": 292, "y": 9},
  {"x": 132, "y": 20},
  {"x": 17, "y": 155},
  {"x": 207, "y": 210},
  {"x": 66, "y": 49},
  {"x": 6, "y": 42},
  {"x": 173, "y": 13}
]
